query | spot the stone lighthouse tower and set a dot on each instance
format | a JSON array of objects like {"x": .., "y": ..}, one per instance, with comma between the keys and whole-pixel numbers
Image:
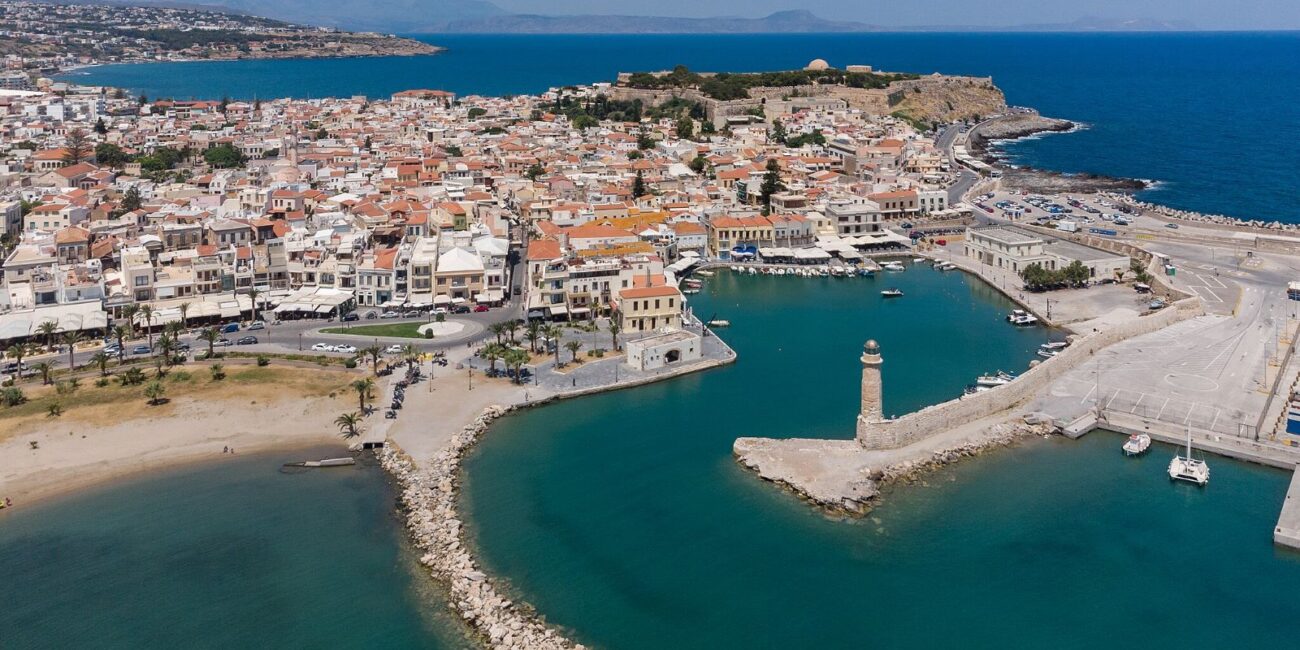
[{"x": 872, "y": 411}]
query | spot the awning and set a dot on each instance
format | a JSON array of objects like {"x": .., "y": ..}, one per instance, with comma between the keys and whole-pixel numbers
[
  {"x": 458, "y": 301},
  {"x": 229, "y": 309},
  {"x": 324, "y": 309},
  {"x": 577, "y": 311},
  {"x": 556, "y": 310},
  {"x": 442, "y": 299}
]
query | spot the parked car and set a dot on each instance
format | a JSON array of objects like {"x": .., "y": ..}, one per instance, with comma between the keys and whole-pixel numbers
[
  {"x": 256, "y": 325},
  {"x": 229, "y": 328},
  {"x": 322, "y": 347},
  {"x": 390, "y": 314},
  {"x": 349, "y": 349},
  {"x": 112, "y": 350},
  {"x": 460, "y": 309},
  {"x": 247, "y": 340},
  {"x": 1172, "y": 225},
  {"x": 481, "y": 308},
  {"x": 222, "y": 342},
  {"x": 351, "y": 316},
  {"x": 393, "y": 349},
  {"x": 440, "y": 310},
  {"x": 371, "y": 315},
  {"x": 141, "y": 349}
]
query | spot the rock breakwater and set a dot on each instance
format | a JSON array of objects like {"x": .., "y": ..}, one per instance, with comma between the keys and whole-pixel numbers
[{"x": 429, "y": 494}]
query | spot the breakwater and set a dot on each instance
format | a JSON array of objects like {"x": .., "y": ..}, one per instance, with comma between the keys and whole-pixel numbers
[{"x": 429, "y": 494}]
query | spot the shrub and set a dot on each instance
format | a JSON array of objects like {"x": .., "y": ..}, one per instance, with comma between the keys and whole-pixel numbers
[
  {"x": 350, "y": 363},
  {"x": 263, "y": 360},
  {"x": 12, "y": 396},
  {"x": 54, "y": 410},
  {"x": 218, "y": 372},
  {"x": 101, "y": 382},
  {"x": 428, "y": 334},
  {"x": 181, "y": 375}
]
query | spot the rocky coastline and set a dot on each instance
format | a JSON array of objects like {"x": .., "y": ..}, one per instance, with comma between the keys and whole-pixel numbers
[
  {"x": 983, "y": 143},
  {"x": 868, "y": 492},
  {"x": 1167, "y": 212},
  {"x": 429, "y": 495}
]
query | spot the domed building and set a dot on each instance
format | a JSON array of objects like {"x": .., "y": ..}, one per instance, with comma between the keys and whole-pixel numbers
[{"x": 817, "y": 64}]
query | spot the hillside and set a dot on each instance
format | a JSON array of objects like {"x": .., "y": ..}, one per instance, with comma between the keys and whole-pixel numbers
[{"x": 780, "y": 22}]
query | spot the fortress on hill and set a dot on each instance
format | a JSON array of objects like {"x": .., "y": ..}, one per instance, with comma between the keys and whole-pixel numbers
[{"x": 930, "y": 99}]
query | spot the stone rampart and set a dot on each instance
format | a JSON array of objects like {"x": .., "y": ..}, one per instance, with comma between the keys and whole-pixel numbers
[{"x": 916, "y": 426}]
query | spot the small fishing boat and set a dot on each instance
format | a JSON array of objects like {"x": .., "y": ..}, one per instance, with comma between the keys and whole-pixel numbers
[
  {"x": 893, "y": 266},
  {"x": 1186, "y": 468},
  {"x": 735, "y": 268},
  {"x": 1048, "y": 354},
  {"x": 1055, "y": 345},
  {"x": 705, "y": 274},
  {"x": 1137, "y": 444},
  {"x": 892, "y": 293},
  {"x": 690, "y": 292},
  {"x": 918, "y": 260},
  {"x": 945, "y": 266},
  {"x": 718, "y": 322}
]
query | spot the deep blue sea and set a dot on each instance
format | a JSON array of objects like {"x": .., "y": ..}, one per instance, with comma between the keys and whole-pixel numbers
[{"x": 1214, "y": 117}]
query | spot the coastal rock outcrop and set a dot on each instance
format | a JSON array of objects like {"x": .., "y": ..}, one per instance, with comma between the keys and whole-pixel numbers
[{"x": 428, "y": 495}]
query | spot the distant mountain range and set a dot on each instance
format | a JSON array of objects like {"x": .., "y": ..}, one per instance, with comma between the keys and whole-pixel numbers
[{"x": 483, "y": 17}]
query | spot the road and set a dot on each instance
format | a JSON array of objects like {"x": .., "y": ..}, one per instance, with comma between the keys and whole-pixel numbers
[{"x": 966, "y": 178}]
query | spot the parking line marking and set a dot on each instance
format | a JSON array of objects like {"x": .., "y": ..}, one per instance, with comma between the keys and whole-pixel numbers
[{"x": 1162, "y": 408}]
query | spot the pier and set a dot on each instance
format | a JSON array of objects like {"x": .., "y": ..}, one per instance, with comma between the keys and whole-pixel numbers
[{"x": 1287, "y": 531}]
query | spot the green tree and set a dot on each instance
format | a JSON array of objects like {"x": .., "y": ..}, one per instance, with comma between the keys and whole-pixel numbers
[
  {"x": 349, "y": 425},
  {"x": 101, "y": 359},
  {"x": 17, "y": 351},
  {"x": 47, "y": 329},
  {"x": 121, "y": 333},
  {"x": 515, "y": 359},
  {"x": 375, "y": 353},
  {"x": 644, "y": 141},
  {"x": 497, "y": 330},
  {"x": 476, "y": 112},
  {"x": 638, "y": 185},
  {"x": 685, "y": 127},
  {"x": 111, "y": 155},
  {"x": 155, "y": 392},
  {"x": 535, "y": 171},
  {"x": 210, "y": 335},
  {"x": 45, "y": 369},
  {"x": 771, "y": 184},
  {"x": 365, "y": 391},
  {"x": 224, "y": 156},
  {"x": 77, "y": 147},
  {"x": 614, "y": 329},
  {"x": 777, "y": 133},
  {"x": 698, "y": 164},
  {"x": 532, "y": 333},
  {"x": 573, "y": 346},
  {"x": 100, "y": 127},
  {"x": 131, "y": 201},
  {"x": 71, "y": 339}
]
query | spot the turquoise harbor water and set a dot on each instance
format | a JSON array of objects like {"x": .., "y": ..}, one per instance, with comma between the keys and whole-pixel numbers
[
  {"x": 1211, "y": 116},
  {"x": 625, "y": 518},
  {"x": 229, "y": 555}
]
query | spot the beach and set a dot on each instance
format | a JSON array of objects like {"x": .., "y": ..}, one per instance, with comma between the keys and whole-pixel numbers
[{"x": 97, "y": 444}]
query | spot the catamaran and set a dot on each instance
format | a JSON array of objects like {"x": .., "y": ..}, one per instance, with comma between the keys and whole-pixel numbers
[
  {"x": 1137, "y": 444},
  {"x": 1021, "y": 317},
  {"x": 1186, "y": 468}
]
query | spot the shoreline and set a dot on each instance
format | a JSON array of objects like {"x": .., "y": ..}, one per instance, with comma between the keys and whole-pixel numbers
[
  {"x": 1025, "y": 126},
  {"x": 66, "y": 464}
]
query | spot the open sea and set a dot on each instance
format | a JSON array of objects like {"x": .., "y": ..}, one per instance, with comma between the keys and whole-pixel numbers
[{"x": 1213, "y": 117}]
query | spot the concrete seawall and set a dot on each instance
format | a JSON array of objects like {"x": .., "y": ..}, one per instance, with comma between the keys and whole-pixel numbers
[{"x": 934, "y": 419}]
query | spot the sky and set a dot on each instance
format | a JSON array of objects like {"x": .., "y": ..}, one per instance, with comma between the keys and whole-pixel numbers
[{"x": 1204, "y": 14}]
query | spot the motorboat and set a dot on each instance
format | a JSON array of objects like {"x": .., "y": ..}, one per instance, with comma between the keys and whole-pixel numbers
[
  {"x": 999, "y": 378},
  {"x": 1048, "y": 354},
  {"x": 690, "y": 291},
  {"x": 918, "y": 260},
  {"x": 718, "y": 322},
  {"x": 1055, "y": 345},
  {"x": 1021, "y": 317},
  {"x": 945, "y": 266},
  {"x": 892, "y": 293},
  {"x": 1186, "y": 468},
  {"x": 704, "y": 274},
  {"x": 1137, "y": 444},
  {"x": 893, "y": 266}
]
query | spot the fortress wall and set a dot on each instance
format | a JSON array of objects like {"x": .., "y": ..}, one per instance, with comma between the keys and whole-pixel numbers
[{"x": 941, "y": 417}]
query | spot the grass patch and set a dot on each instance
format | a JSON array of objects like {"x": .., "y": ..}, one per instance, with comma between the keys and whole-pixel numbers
[{"x": 394, "y": 330}]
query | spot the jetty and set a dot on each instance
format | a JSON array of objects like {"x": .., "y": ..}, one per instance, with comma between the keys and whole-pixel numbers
[
  {"x": 328, "y": 462},
  {"x": 1287, "y": 531}
]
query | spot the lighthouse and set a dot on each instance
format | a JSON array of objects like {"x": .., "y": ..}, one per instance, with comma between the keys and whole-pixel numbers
[{"x": 872, "y": 410}]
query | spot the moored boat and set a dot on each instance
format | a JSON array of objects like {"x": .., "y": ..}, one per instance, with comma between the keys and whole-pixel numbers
[
  {"x": 892, "y": 293},
  {"x": 999, "y": 378},
  {"x": 1021, "y": 317},
  {"x": 1186, "y": 468},
  {"x": 718, "y": 322},
  {"x": 1137, "y": 444}
]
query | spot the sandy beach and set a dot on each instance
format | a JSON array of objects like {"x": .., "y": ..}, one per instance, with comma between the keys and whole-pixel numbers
[{"x": 112, "y": 440}]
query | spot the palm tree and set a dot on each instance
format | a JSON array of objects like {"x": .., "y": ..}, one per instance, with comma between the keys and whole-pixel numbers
[
  {"x": 533, "y": 333},
  {"x": 45, "y": 369},
  {"x": 128, "y": 314},
  {"x": 512, "y": 327},
  {"x": 553, "y": 333},
  {"x": 515, "y": 359},
  {"x": 497, "y": 329},
  {"x": 253, "y": 294},
  {"x": 47, "y": 329},
  {"x": 573, "y": 347},
  {"x": 491, "y": 352},
  {"x": 363, "y": 388},
  {"x": 375, "y": 353},
  {"x": 349, "y": 424},
  {"x": 185, "y": 310},
  {"x": 211, "y": 335},
  {"x": 71, "y": 339},
  {"x": 18, "y": 351},
  {"x": 614, "y": 329},
  {"x": 155, "y": 391},
  {"x": 166, "y": 346},
  {"x": 100, "y": 359},
  {"x": 146, "y": 312},
  {"x": 410, "y": 353},
  {"x": 121, "y": 332}
]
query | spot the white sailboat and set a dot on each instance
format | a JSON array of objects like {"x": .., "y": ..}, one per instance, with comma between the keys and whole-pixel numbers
[{"x": 1186, "y": 468}]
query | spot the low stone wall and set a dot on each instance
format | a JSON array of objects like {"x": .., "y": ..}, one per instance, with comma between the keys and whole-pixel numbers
[
  {"x": 429, "y": 495},
  {"x": 940, "y": 417}
]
